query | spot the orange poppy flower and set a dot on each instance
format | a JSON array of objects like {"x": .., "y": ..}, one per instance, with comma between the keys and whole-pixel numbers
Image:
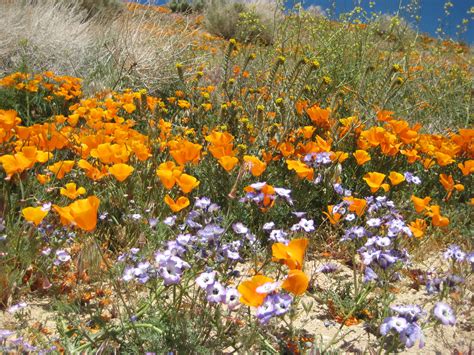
[
  {"x": 396, "y": 178},
  {"x": 307, "y": 131},
  {"x": 34, "y": 214},
  {"x": 411, "y": 154},
  {"x": 184, "y": 151},
  {"x": 448, "y": 183},
  {"x": 129, "y": 107},
  {"x": 91, "y": 171},
  {"x": 121, "y": 171},
  {"x": 292, "y": 254},
  {"x": 319, "y": 116},
  {"x": 333, "y": 217},
  {"x": 356, "y": 205},
  {"x": 81, "y": 213},
  {"x": 418, "y": 227},
  {"x": 443, "y": 159},
  {"x": 296, "y": 282},
  {"x": 187, "y": 183},
  {"x": 375, "y": 181},
  {"x": 15, "y": 164},
  {"x": 71, "y": 192},
  {"x": 248, "y": 290},
  {"x": 43, "y": 179},
  {"x": 420, "y": 203},
  {"x": 61, "y": 168},
  {"x": 228, "y": 162},
  {"x": 257, "y": 167},
  {"x": 176, "y": 206},
  {"x": 300, "y": 106},
  {"x": 168, "y": 173},
  {"x": 384, "y": 115},
  {"x": 339, "y": 156},
  {"x": 428, "y": 163},
  {"x": 361, "y": 157},
  {"x": 467, "y": 167},
  {"x": 436, "y": 219},
  {"x": 301, "y": 169}
]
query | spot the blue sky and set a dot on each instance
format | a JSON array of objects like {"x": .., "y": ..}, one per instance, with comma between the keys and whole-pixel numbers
[{"x": 430, "y": 11}]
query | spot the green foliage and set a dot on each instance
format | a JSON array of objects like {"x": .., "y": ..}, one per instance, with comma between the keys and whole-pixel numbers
[
  {"x": 186, "y": 6},
  {"x": 246, "y": 22}
]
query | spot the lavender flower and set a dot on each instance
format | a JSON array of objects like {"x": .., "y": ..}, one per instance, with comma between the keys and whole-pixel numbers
[
  {"x": 232, "y": 297},
  {"x": 215, "y": 293},
  {"x": 455, "y": 253},
  {"x": 444, "y": 313},
  {"x": 328, "y": 268},
  {"x": 61, "y": 257}
]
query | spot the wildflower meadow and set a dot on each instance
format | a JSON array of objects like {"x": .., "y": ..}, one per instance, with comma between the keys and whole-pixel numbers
[{"x": 232, "y": 177}]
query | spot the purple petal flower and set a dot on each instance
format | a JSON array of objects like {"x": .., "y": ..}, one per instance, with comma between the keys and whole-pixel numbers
[
  {"x": 215, "y": 293},
  {"x": 170, "y": 221},
  {"x": 328, "y": 268},
  {"x": 399, "y": 324},
  {"x": 206, "y": 279},
  {"x": 239, "y": 228},
  {"x": 268, "y": 226},
  {"x": 444, "y": 313},
  {"x": 232, "y": 297}
]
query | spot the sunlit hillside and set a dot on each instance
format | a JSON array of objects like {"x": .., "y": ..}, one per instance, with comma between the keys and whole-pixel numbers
[{"x": 217, "y": 176}]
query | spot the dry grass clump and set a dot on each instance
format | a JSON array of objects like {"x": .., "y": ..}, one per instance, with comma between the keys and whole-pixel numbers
[
  {"x": 246, "y": 20},
  {"x": 135, "y": 47}
]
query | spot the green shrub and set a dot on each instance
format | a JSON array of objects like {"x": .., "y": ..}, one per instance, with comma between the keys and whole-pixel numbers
[
  {"x": 252, "y": 21},
  {"x": 186, "y": 5}
]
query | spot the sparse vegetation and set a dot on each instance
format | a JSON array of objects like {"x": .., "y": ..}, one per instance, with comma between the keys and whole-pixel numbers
[{"x": 238, "y": 179}]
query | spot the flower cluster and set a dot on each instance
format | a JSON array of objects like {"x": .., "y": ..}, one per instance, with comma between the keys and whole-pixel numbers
[{"x": 405, "y": 325}]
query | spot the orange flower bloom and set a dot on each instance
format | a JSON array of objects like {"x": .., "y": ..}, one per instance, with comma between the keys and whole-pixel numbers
[
  {"x": 375, "y": 181},
  {"x": 361, "y": 157},
  {"x": 248, "y": 290},
  {"x": 81, "y": 213},
  {"x": 340, "y": 156},
  {"x": 467, "y": 168},
  {"x": 448, "y": 183},
  {"x": 91, "y": 171},
  {"x": 34, "y": 214},
  {"x": 296, "y": 282},
  {"x": 43, "y": 179},
  {"x": 384, "y": 115},
  {"x": 443, "y": 159},
  {"x": 187, "y": 183},
  {"x": 227, "y": 162},
  {"x": 436, "y": 219},
  {"x": 411, "y": 154},
  {"x": 301, "y": 169},
  {"x": 307, "y": 131},
  {"x": 396, "y": 178},
  {"x": 121, "y": 171},
  {"x": 184, "y": 151},
  {"x": 257, "y": 167},
  {"x": 71, "y": 192},
  {"x": 418, "y": 227},
  {"x": 292, "y": 254},
  {"x": 176, "y": 206},
  {"x": 319, "y": 116},
  {"x": 420, "y": 203},
  {"x": 168, "y": 173},
  {"x": 15, "y": 164},
  {"x": 61, "y": 168},
  {"x": 333, "y": 217},
  {"x": 356, "y": 205}
]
